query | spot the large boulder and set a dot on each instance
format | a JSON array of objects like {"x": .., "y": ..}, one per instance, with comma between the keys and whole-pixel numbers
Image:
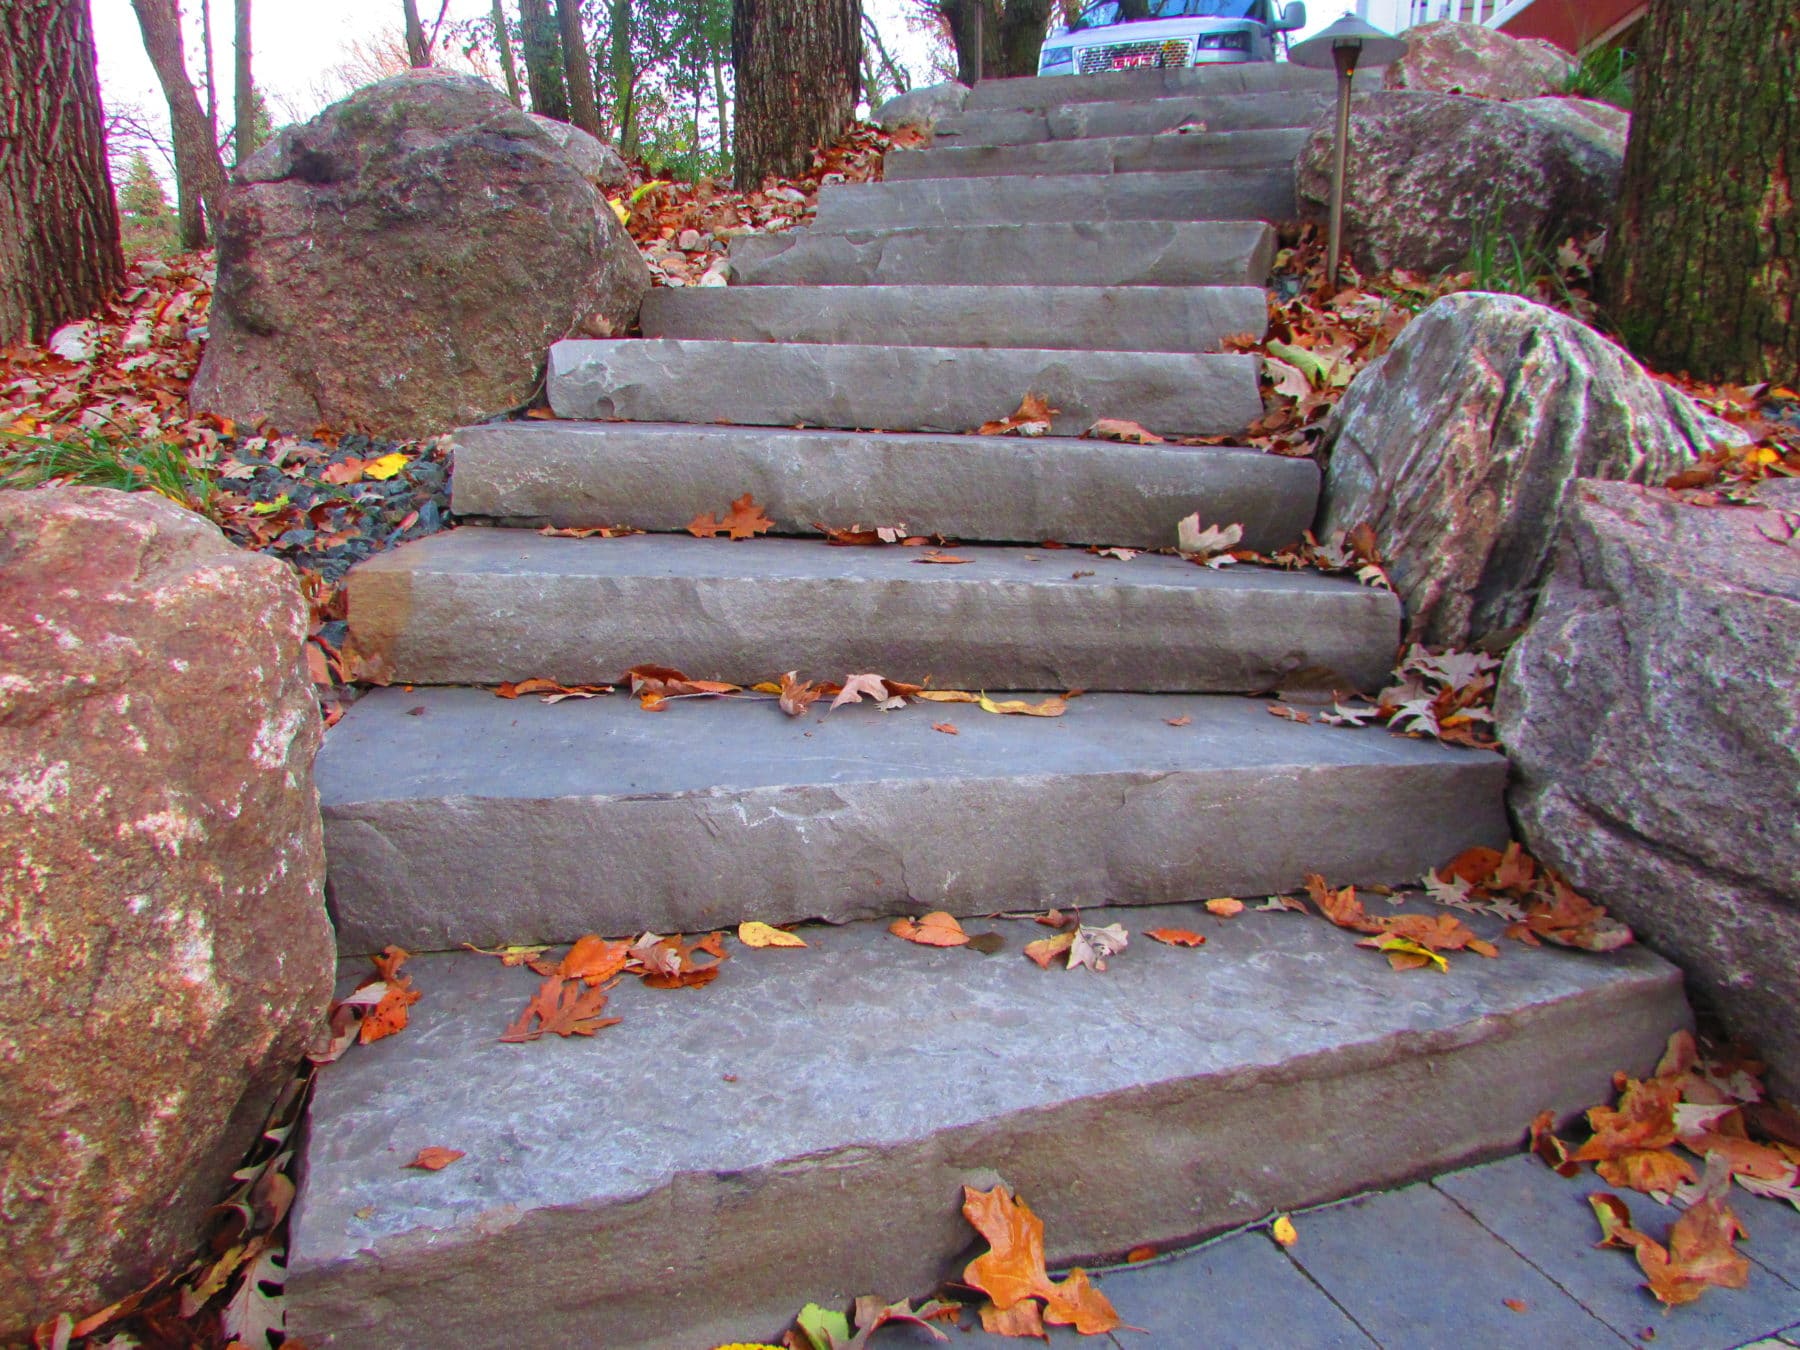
[
  {"x": 1459, "y": 447},
  {"x": 1652, "y": 713},
  {"x": 164, "y": 950},
  {"x": 922, "y": 109},
  {"x": 597, "y": 161},
  {"x": 400, "y": 264},
  {"x": 1471, "y": 58},
  {"x": 1430, "y": 174}
]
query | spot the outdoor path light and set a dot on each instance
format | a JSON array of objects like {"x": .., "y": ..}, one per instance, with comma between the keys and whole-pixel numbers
[{"x": 1343, "y": 45}]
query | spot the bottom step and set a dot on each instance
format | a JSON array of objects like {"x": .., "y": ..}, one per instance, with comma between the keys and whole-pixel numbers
[{"x": 800, "y": 1128}]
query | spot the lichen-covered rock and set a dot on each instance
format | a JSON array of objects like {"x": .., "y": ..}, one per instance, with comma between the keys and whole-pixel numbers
[
  {"x": 1471, "y": 58},
  {"x": 922, "y": 109},
  {"x": 1652, "y": 713},
  {"x": 401, "y": 263},
  {"x": 164, "y": 949},
  {"x": 1459, "y": 447},
  {"x": 598, "y": 162},
  {"x": 1431, "y": 173},
  {"x": 1602, "y": 123}
]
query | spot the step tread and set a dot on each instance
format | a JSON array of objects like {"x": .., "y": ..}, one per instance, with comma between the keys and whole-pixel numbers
[
  {"x": 863, "y": 1080},
  {"x": 1134, "y": 86},
  {"x": 897, "y": 388},
  {"x": 1188, "y": 319},
  {"x": 659, "y": 476},
  {"x": 1148, "y": 117},
  {"x": 1164, "y": 152},
  {"x": 487, "y": 820}
]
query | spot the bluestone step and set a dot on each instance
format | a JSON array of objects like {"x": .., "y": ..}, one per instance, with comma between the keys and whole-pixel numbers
[
  {"x": 486, "y": 820},
  {"x": 1061, "y": 318},
  {"x": 1165, "y": 153},
  {"x": 1138, "y": 86},
  {"x": 800, "y": 1130},
  {"x": 897, "y": 388},
  {"x": 1001, "y": 489},
  {"x": 1197, "y": 194},
  {"x": 1075, "y": 121},
  {"x": 1077, "y": 253},
  {"x": 480, "y": 606}
]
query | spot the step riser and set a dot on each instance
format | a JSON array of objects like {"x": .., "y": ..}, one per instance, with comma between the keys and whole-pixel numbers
[
  {"x": 1094, "y": 319},
  {"x": 1136, "y": 86},
  {"x": 1114, "y": 155},
  {"x": 1132, "y": 253},
  {"x": 674, "y": 1226},
  {"x": 1079, "y": 121},
  {"x": 996, "y": 488},
  {"x": 1206, "y": 194},
  {"x": 897, "y": 388},
  {"x": 488, "y": 606}
]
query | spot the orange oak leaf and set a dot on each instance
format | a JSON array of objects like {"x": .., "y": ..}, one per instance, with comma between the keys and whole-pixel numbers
[
  {"x": 1012, "y": 1270},
  {"x": 1643, "y": 1119},
  {"x": 594, "y": 960},
  {"x": 562, "y": 1008},
  {"x": 1652, "y": 1171},
  {"x": 745, "y": 519},
  {"x": 433, "y": 1158},
  {"x": 389, "y": 1014},
  {"x": 1176, "y": 937},
  {"x": 936, "y": 929}
]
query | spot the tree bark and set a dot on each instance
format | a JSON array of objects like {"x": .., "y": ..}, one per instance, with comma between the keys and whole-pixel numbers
[
  {"x": 59, "y": 228},
  {"x": 1703, "y": 272},
  {"x": 507, "y": 65},
  {"x": 576, "y": 67},
  {"x": 199, "y": 175},
  {"x": 1011, "y": 34},
  {"x": 244, "y": 100},
  {"x": 624, "y": 77},
  {"x": 799, "y": 65},
  {"x": 543, "y": 60},
  {"x": 724, "y": 102},
  {"x": 415, "y": 35},
  {"x": 211, "y": 76}
]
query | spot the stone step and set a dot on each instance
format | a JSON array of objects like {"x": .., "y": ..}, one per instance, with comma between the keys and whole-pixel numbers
[
  {"x": 1076, "y": 121},
  {"x": 897, "y": 388},
  {"x": 1138, "y": 86},
  {"x": 1002, "y": 489},
  {"x": 800, "y": 1130},
  {"x": 1196, "y": 194},
  {"x": 1164, "y": 153},
  {"x": 492, "y": 821},
  {"x": 1184, "y": 319},
  {"x": 1078, "y": 253},
  {"x": 480, "y": 606}
]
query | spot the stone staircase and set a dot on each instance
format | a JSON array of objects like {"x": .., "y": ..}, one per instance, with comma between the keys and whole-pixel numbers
[{"x": 799, "y": 1129}]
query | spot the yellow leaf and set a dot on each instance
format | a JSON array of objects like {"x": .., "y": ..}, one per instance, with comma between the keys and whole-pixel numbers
[
  {"x": 385, "y": 467},
  {"x": 1765, "y": 455},
  {"x": 766, "y": 687},
  {"x": 619, "y": 210},
  {"x": 1405, "y": 954},
  {"x": 269, "y": 508},
  {"x": 1225, "y": 907},
  {"x": 1283, "y": 1231},
  {"x": 1050, "y": 707},
  {"x": 946, "y": 696},
  {"x": 754, "y": 933}
]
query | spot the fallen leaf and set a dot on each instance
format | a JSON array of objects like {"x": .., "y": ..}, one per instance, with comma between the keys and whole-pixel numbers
[
  {"x": 671, "y": 962},
  {"x": 1193, "y": 539},
  {"x": 1050, "y": 707},
  {"x": 948, "y": 728},
  {"x": 385, "y": 467},
  {"x": 1025, "y": 1318},
  {"x": 509, "y": 956},
  {"x": 1122, "y": 554},
  {"x": 1137, "y": 1255},
  {"x": 855, "y": 686},
  {"x": 797, "y": 696},
  {"x": 705, "y": 526},
  {"x": 1092, "y": 947},
  {"x": 1701, "y": 1250},
  {"x": 433, "y": 1158},
  {"x": 1226, "y": 907},
  {"x": 562, "y": 1008},
  {"x": 588, "y": 531},
  {"x": 1031, "y": 419},
  {"x": 551, "y": 691},
  {"x": 389, "y": 1014},
  {"x": 1183, "y": 721},
  {"x": 1518, "y": 1305},
  {"x": 1643, "y": 1118},
  {"x": 1652, "y": 1171},
  {"x": 593, "y": 960},
  {"x": 1046, "y": 950},
  {"x": 1117, "y": 429},
  {"x": 754, "y": 933},
  {"x": 1404, "y": 953},
  {"x": 944, "y": 559},
  {"x": 936, "y": 929},
  {"x": 1176, "y": 937},
  {"x": 1012, "y": 1270},
  {"x": 1283, "y": 1231},
  {"x": 745, "y": 519}
]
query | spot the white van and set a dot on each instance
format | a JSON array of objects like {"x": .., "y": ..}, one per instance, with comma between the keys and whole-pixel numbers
[{"x": 1124, "y": 34}]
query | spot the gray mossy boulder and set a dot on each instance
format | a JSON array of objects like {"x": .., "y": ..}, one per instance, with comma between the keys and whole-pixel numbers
[
  {"x": 1652, "y": 713},
  {"x": 1460, "y": 445},
  {"x": 1471, "y": 58},
  {"x": 922, "y": 109},
  {"x": 165, "y": 955},
  {"x": 1431, "y": 173},
  {"x": 401, "y": 264},
  {"x": 599, "y": 163}
]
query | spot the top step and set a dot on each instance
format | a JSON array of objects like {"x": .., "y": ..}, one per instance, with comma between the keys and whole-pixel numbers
[
  {"x": 1152, "y": 117},
  {"x": 1132, "y": 86}
]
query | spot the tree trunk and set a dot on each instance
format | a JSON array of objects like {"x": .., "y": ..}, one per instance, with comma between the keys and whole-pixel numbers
[
  {"x": 724, "y": 102},
  {"x": 199, "y": 176},
  {"x": 798, "y": 64},
  {"x": 582, "y": 110},
  {"x": 624, "y": 77},
  {"x": 1703, "y": 272},
  {"x": 415, "y": 35},
  {"x": 543, "y": 60},
  {"x": 507, "y": 65},
  {"x": 206, "y": 66},
  {"x": 59, "y": 229},
  {"x": 1011, "y": 32},
  {"x": 244, "y": 99}
]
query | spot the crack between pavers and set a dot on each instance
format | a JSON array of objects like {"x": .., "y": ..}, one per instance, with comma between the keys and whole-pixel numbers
[{"x": 1567, "y": 1292}]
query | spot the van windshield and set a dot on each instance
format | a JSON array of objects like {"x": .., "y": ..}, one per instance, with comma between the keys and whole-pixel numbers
[{"x": 1105, "y": 13}]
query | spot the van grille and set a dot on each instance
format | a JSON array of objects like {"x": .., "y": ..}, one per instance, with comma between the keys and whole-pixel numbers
[{"x": 1173, "y": 52}]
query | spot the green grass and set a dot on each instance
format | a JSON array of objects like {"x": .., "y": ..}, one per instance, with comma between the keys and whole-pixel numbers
[
  {"x": 98, "y": 461},
  {"x": 1606, "y": 74},
  {"x": 1499, "y": 261}
]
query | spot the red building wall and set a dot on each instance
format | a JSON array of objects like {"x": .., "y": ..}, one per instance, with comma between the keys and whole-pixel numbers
[{"x": 1574, "y": 24}]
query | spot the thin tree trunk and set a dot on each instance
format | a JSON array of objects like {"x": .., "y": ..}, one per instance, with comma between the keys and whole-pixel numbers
[
  {"x": 59, "y": 227},
  {"x": 244, "y": 99},
  {"x": 543, "y": 60},
  {"x": 799, "y": 67},
  {"x": 885, "y": 64},
  {"x": 416, "y": 51},
  {"x": 508, "y": 66},
  {"x": 212, "y": 80},
  {"x": 718, "y": 69},
  {"x": 624, "y": 78},
  {"x": 1703, "y": 271},
  {"x": 576, "y": 68},
  {"x": 199, "y": 176},
  {"x": 1011, "y": 34}
]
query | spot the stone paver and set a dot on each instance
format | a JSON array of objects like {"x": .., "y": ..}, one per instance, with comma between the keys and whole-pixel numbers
[
  {"x": 1547, "y": 1220},
  {"x": 1150, "y": 117},
  {"x": 1162, "y": 153}
]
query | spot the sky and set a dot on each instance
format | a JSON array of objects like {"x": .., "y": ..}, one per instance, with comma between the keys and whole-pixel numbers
[{"x": 296, "y": 43}]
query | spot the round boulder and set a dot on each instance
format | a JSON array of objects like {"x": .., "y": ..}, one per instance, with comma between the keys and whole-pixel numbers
[
  {"x": 164, "y": 950},
  {"x": 599, "y": 163},
  {"x": 922, "y": 109},
  {"x": 1471, "y": 58},
  {"x": 400, "y": 264}
]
